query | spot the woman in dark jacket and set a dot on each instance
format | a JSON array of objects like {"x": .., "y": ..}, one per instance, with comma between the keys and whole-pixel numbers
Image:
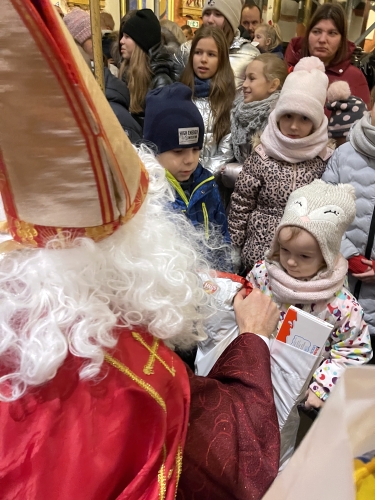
[
  {"x": 117, "y": 94},
  {"x": 326, "y": 38},
  {"x": 146, "y": 63}
]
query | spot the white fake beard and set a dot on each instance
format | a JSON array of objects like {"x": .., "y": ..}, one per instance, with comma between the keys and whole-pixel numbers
[{"x": 53, "y": 301}]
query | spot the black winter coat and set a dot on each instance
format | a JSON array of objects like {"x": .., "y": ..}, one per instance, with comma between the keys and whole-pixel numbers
[{"x": 118, "y": 96}]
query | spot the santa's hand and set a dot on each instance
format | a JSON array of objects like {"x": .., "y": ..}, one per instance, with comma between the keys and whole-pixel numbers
[
  {"x": 313, "y": 401},
  {"x": 368, "y": 276},
  {"x": 256, "y": 313}
]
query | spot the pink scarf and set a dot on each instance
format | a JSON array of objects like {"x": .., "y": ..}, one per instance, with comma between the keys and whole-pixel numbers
[
  {"x": 278, "y": 146},
  {"x": 288, "y": 290}
]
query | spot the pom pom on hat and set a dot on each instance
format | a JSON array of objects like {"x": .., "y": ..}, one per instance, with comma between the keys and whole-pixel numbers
[
  {"x": 309, "y": 64},
  {"x": 304, "y": 91},
  {"x": 338, "y": 91},
  {"x": 325, "y": 211},
  {"x": 78, "y": 23},
  {"x": 346, "y": 109}
]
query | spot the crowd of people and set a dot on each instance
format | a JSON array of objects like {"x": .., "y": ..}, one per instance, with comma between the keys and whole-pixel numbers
[{"x": 212, "y": 153}]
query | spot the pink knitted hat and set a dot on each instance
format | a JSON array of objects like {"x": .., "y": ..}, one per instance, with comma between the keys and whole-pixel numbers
[
  {"x": 304, "y": 91},
  {"x": 78, "y": 23}
]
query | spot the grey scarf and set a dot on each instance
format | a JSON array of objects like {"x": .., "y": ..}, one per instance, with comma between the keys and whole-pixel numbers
[
  {"x": 247, "y": 120},
  {"x": 362, "y": 136}
]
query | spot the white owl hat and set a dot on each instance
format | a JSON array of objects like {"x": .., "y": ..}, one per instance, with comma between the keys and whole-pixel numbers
[{"x": 325, "y": 211}]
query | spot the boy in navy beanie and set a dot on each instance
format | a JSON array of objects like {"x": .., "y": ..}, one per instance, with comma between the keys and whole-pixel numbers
[{"x": 174, "y": 124}]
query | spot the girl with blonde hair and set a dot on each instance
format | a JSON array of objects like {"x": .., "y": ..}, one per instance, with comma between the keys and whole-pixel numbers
[
  {"x": 265, "y": 76},
  {"x": 268, "y": 39}
]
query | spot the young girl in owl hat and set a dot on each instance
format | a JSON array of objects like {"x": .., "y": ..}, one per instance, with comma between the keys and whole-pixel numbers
[{"x": 304, "y": 268}]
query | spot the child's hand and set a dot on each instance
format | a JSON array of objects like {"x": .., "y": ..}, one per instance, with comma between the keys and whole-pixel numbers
[
  {"x": 369, "y": 275},
  {"x": 313, "y": 401},
  {"x": 373, "y": 116}
]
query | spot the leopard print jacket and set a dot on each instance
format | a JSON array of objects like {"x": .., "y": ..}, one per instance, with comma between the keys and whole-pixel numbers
[{"x": 259, "y": 198}]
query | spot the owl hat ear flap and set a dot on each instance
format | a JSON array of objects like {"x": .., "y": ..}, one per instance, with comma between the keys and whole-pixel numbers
[{"x": 325, "y": 211}]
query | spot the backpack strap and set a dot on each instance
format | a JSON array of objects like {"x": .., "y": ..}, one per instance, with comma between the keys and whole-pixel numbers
[{"x": 368, "y": 251}]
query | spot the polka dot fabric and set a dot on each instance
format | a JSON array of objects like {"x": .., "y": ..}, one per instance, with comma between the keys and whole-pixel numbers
[
  {"x": 344, "y": 115},
  {"x": 349, "y": 342}
]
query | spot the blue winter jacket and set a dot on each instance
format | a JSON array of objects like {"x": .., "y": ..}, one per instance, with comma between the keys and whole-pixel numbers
[{"x": 204, "y": 207}]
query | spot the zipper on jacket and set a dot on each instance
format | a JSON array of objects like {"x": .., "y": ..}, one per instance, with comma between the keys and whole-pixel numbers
[
  {"x": 205, "y": 217},
  {"x": 212, "y": 178},
  {"x": 294, "y": 177},
  {"x": 172, "y": 180},
  {"x": 179, "y": 189}
]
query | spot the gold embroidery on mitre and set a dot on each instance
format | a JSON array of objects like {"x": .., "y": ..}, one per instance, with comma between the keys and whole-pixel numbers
[
  {"x": 99, "y": 232},
  {"x": 26, "y": 232},
  {"x": 153, "y": 350},
  {"x": 4, "y": 228},
  {"x": 144, "y": 385},
  {"x": 162, "y": 480}
]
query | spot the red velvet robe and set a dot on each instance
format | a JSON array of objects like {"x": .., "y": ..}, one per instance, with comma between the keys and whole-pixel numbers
[
  {"x": 232, "y": 449},
  {"x": 122, "y": 436}
]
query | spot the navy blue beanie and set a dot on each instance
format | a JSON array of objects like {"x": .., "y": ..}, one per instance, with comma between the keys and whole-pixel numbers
[{"x": 172, "y": 120}]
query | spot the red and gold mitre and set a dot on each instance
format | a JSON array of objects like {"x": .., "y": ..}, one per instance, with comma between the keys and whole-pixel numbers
[{"x": 65, "y": 162}]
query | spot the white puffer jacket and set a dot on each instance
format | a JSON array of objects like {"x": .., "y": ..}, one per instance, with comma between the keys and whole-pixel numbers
[{"x": 348, "y": 166}]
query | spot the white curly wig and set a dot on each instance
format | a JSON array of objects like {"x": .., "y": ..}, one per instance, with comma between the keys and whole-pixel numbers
[{"x": 53, "y": 301}]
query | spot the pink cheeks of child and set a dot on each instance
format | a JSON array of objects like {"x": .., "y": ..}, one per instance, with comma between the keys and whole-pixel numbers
[
  {"x": 295, "y": 126},
  {"x": 313, "y": 401},
  {"x": 369, "y": 275},
  {"x": 300, "y": 254},
  {"x": 263, "y": 42}
]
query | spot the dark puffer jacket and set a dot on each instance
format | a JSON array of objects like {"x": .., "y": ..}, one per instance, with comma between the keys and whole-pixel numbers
[
  {"x": 117, "y": 94},
  {"x": 342, "y": 71},
  {"x": 260, "y": 195},
  {"x": 203, "y": 204}
]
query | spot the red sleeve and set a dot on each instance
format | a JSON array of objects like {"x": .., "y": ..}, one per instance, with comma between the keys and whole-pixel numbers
[{"x": 233, "y": 443}]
